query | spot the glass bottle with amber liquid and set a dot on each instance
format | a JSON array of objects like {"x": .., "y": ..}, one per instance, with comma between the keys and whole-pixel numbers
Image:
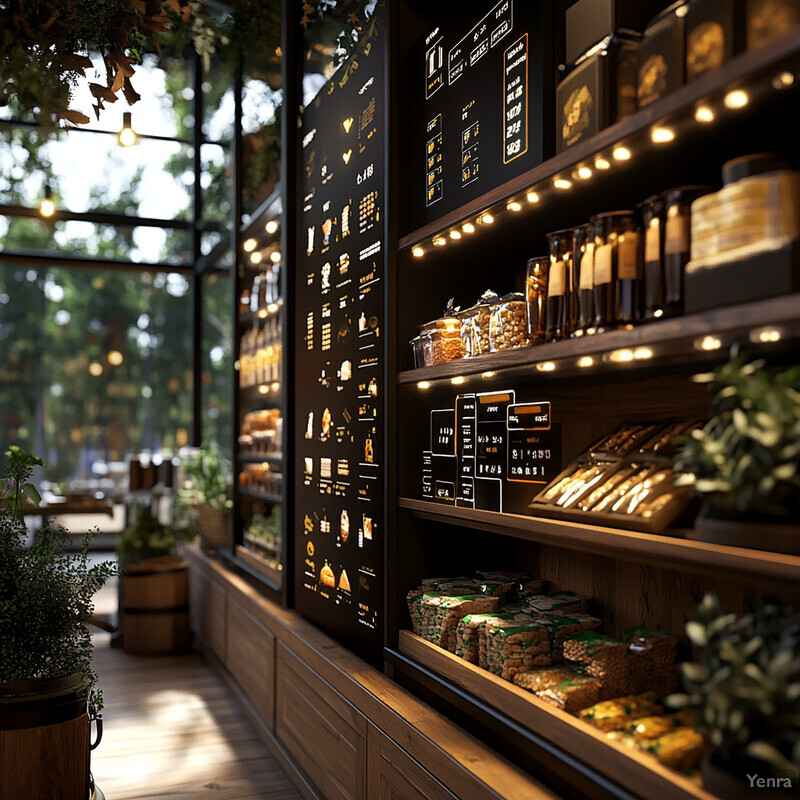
[
  {"x": 583, "y": 283},
  {"x": 617, "y": 270},
  {"x": 558, "y": 313},
  {"x": 677, "y": 244},
  {"x": 536, "y": 298},
  {"x": 652, "y": 211}
]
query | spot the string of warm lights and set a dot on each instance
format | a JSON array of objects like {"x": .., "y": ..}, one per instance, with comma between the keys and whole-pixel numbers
[{"x": 659, "y": 134}]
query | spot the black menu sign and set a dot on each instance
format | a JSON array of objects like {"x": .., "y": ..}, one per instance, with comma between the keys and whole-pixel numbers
[
  {"x": 484, "y": 97},
  {"x": 340, "y": 360},
  {"x": 491, "y": 452}
]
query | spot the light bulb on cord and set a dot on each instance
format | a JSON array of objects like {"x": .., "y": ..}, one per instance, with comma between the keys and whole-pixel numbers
[
  {"x": 127, "y": 136},
  {"x": 48, "y": 207}
]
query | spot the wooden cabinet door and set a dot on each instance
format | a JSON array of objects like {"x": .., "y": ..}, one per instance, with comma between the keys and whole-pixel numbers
[
  {"x": 325, "y": 734},
  {"x": 215, "y": 629},
  {"x": 198, "y": 594},
  {"x": 395, "y": 775},
  {"x": 251, "y": 660}
]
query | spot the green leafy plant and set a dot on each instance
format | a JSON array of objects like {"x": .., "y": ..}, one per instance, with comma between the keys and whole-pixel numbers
[
  {"x": 746, "y": 458},
  {"x": 745, "y": 686},
  {"x": 45, "y": 593},
  {"x": 146, "y": 539},
  {"x": 208, "y": 477}
]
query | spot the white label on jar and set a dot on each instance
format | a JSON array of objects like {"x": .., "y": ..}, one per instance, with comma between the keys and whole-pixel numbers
[
  {"x": 586, "y": 280},
  {"x": 652, "y": 241},
  {"x": 628, "y": 257},
  {"x": 676, "y": 235},
  {"x": 556, "y": 280},
  {"x": 602, "y": 264}
]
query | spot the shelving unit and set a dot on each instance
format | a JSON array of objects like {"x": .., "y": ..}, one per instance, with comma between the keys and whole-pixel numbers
[{"x": 594, "y": 383}]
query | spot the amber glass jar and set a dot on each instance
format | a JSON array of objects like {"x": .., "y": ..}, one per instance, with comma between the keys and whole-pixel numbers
[
  {"x": 618, "y": 266},
  {"x": 536, "y": 298},
  {"x": 677, "y": 243},
  {"x": 559, "y": 285},
  {"x": 652, "y": 211}
]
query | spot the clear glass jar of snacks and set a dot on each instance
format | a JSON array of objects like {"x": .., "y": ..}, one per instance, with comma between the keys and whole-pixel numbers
[
  {"x": 474, "y": 325},
  {"x": 508, "y": 323}
]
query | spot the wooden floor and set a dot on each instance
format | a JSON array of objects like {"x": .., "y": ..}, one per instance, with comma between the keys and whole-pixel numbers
[{"x": 172, "y": 731}]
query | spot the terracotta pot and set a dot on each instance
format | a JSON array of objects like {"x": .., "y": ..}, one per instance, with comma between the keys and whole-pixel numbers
[
  {"x": 728, "y": 786},
  {"x": 214, "y": 528},
  {"x": 777, "y": 537}
]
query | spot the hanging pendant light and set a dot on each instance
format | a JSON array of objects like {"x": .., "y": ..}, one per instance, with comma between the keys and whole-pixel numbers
[
  {"x": 48, "y": 207},
  {"x": 127, "y": 136}
]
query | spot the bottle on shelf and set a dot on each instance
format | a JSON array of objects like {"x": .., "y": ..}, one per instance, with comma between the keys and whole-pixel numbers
[
  {"x": 536, "y": 298},
  {"x": 677, "y": 244},
  {"x": 652, "y": 210},
  {"x": 617, "y": 270},
  {"x": 583, "y": 266},
  {"x": 559, "y": 285}
]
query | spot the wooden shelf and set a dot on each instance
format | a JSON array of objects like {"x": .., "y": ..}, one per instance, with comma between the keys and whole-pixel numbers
[
  {"x": 644, "y": 548},
  {"x": 638, "y": 772},
  {"x": 256, "y": 459},
  {"x": 742, "y": 70},
  {"x": 272, "y": 574},
  {"x": 666, "y": 338},
  {"x": 273, "y": 499}
]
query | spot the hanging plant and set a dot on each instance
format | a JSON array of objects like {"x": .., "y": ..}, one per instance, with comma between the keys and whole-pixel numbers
[{"x": 46, "y": 45}]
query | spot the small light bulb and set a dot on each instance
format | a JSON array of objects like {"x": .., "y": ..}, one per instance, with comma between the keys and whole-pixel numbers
[
  {"x": 275, "y": 256},
  {"x": 737, "y": 99},
  {"x": 263, "y": 389},
  {"x": 488, "y": 219},
  {"x": 704, "y": 114},
  {"x": 642, "y": 353},
  {"x": 708, "y": 343},
  {"x": 48, "y": 207},
  {"x": 468, "y": 227},
  {"x": 424, "y": 385},
  {"x": 127, "y": 136},
  {"x": 514, "y": 206},
  {"x": 621, "y": 153},
  {"x": 271, "y": 226},
  {"x": 602, "y": 163},
  {"x": 783, "y": 80},
  {"x": 417, "y": 252},
  {"x": 562, "y": 183},
  {"x": 584, "y": 173},
  {"x": 96, "y": 369},
  {"x": 256, "y": 257},
  {"x": 662, "y": 135},
  {"x": 458, "y": 380},
  {"x": 455, "y": 235},
  {"x": 547, "y": 366},
  {"x": 262, "y": 313},
  {"x": 532, "y": 197},
  {"x": 585, "y": 361},
  {"x": 487, "y": 374},
  {"x": 272, "y": 308},
  {"x": 249, "y": 245},
  {"x": 682, "y": 11},
  {"x": 115, "y": 358},
  {"x": 439, "y": 241}
]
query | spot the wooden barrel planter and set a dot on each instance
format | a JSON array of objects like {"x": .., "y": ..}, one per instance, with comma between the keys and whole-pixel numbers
[
  {"x": 154, "y": 614},
  {"x": 44, "y": 740}
]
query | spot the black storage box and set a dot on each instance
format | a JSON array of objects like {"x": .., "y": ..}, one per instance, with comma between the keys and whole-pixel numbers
[
  {"x": 769, "y": 19},
  {"x": 589, "y": 21},
  {"x": 777, "y": 271},
  {"x": 598, "y": 90},
  {"x": 662, "y": 55},
  {"x": 715, "y": 33}
]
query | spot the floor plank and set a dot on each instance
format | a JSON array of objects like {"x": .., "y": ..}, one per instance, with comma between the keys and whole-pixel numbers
[{"x": 172, "y": 731}]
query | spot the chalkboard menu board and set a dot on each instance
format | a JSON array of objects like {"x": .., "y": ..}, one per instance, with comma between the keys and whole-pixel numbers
[
  {"x": 484, "y": 93},
  {"x": 340, "y": 352},
  {"x": 490, "y": 451}
]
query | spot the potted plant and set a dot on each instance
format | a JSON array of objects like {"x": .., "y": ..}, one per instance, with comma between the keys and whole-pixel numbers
[
  {"x": 745, "y": 461},
  {"x": 745, "y": 690},
  {"x": 47, "y": 684},
  {"x": 206, "y": 496},
  {"x": 154, "y": 589}
]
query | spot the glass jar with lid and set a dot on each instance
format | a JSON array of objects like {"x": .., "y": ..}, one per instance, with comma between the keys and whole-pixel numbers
[
  {"x": 536, "y": 297},
  {"x": 618, "y": 267},
  {"x": 475, "y": 325},
  {"x": 558, "y": 313},
  {"x": 677, "y": 243},
  {"x": 441, "y": 340},
  {"x": 508, "y": 324},
  {"x": 583, "y": 266}
]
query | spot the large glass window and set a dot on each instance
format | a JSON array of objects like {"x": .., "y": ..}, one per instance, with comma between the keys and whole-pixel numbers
[{"x": 97, "y": 365}]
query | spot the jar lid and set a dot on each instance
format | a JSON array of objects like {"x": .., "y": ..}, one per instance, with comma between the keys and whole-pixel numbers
[
  {"x": 755, "y": 164},
  {"x": 486, "y": 299},
  {"x": 513, "y": 297},
  {"x": 685, "y": 193}
]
